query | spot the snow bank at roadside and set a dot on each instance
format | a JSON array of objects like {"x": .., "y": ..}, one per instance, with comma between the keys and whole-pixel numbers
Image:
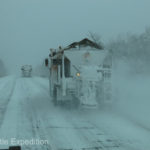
[{"x": 132, "y": 97}]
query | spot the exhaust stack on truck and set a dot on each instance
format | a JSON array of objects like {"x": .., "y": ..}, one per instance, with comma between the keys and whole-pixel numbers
[{"x": 80, "y": 74}]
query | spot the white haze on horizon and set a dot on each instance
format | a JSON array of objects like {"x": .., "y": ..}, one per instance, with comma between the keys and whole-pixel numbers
[{"x": 29, "y": 28}]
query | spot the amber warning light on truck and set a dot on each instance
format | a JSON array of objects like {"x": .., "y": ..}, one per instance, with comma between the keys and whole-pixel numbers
[{"x": 78, "y": 74}]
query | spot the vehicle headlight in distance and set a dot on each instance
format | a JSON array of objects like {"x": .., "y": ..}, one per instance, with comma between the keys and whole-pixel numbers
[{"x": 78, "y": 74}]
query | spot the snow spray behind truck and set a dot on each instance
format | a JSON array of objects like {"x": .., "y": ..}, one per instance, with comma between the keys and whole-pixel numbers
[{"x": 80, "y": 74}]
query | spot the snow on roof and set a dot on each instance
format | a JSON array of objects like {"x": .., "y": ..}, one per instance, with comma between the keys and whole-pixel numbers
[{"x": 84, "y": 43}]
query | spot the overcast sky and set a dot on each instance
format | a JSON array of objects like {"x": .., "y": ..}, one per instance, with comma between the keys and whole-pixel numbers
[{"x": 28, "y": 28}]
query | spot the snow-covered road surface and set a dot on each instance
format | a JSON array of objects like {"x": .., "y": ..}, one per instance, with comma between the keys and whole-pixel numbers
[
  {"x": 27, "y": 113},
  {"x": 7, "y": 85}
]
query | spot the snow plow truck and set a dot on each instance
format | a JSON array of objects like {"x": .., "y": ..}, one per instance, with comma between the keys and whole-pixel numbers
[{"x": 80, "y": 74}]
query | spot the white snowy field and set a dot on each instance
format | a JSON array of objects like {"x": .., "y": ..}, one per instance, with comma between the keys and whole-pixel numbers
[{"x": 26, "y": 112}]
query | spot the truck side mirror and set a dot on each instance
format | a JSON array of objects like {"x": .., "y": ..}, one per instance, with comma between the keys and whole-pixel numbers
[{"x": 46, "y": 62}]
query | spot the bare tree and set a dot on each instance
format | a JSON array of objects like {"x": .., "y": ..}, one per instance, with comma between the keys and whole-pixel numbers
[{"x": 134, "y": 50}]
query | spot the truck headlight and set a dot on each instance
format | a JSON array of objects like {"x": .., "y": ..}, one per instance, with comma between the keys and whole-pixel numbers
[{"x": 78, "y": 74}]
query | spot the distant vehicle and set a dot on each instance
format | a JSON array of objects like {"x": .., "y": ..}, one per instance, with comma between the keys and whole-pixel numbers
[
  {"x": 26, "y": 70},
  {"x": 80, "y": 74}
]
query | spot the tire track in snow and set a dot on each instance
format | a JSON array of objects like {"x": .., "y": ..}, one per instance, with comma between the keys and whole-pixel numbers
[
  {"x": 10, "y": 123},
  {"x": 31, "y": 115},
  {"x": 111, "y": 141},
  {"x": 6, "y": 92},
  {"x": 84, "y": 132},
  {"x": 91, "y": 133},
  {"x": 57, "y": 135}
]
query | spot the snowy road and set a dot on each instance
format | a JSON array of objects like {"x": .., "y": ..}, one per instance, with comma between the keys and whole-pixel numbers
[{"x": 26, "y": 113}]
